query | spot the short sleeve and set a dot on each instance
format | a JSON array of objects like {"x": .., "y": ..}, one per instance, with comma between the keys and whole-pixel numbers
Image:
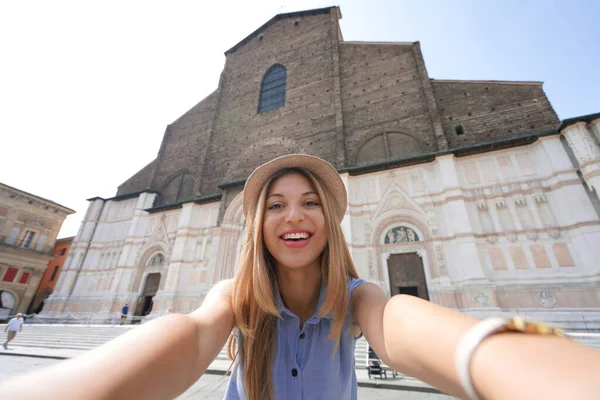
[{"x": 354, "y": 283}]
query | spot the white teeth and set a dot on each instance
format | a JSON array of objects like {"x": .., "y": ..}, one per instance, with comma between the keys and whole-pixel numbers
[{"x": 299, "y": 235}]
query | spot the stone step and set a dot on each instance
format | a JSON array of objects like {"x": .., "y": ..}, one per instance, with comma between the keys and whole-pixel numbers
[
  {"x": 59, "y": 334},
  {"x": 84, "y": 337}
]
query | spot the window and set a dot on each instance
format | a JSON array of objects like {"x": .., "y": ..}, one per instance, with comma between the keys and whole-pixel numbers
[
  {"x": 14, "y": 234},
  {"x": 28, "y": 239},
  {"x": 54, "y": 273},
  {"x": 63, "y": 251},
  {"x": 10, "y": 274},
  {"x": 459, "y": 130},
  {"x": 41, "y": 242},
  {"x": 24, "y": 277},
  {"x": 272, "y": 89}
]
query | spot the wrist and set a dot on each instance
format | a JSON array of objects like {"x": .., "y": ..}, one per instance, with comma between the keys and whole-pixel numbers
[{"x": 485, "y": 351}]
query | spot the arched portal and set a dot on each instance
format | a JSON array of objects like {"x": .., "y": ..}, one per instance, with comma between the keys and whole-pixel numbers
[
  {"x": 403, "y": 253},
  {"x": 8, "y": 304},
  {"x": 230, "y": 243},
  {"x": 145, "y": 300}
]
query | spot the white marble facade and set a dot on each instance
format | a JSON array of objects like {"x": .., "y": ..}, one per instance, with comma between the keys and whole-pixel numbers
[{"x": 504, "y": 232}]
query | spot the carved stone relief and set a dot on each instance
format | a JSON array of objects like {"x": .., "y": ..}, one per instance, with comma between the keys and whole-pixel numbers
[
  {"x": 481, "y": 299},
  {"x": 401, "y": 234},
  {"x": 545, "y": 299},
  {"x": 372, "y": 271}
]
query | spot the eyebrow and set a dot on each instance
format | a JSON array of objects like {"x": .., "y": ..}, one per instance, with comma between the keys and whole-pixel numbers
[{"x": 280, "y": 195}]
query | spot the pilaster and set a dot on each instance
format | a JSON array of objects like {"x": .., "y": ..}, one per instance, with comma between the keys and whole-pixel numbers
[
  {"x": 463, "y": 263},
  {"x": 586, "y": 149}
]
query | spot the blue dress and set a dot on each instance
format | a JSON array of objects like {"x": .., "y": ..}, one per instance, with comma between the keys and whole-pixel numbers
[{"x": 304, "y": 365}]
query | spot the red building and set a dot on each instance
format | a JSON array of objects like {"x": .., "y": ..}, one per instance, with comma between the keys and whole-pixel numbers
[{"x": 48, "y": 282}]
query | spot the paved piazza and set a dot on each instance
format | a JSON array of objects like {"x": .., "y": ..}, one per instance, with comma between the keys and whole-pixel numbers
[{"x": 209, "y": 387}]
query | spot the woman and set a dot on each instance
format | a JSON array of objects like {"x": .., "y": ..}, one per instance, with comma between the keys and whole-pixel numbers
[{"x": 296, "y": 307}]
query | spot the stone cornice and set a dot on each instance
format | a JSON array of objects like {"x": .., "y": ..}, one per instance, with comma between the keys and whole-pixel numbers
[{"x": 34, "y": 200}]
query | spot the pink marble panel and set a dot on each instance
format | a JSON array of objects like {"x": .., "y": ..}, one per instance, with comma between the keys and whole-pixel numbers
[
  {"x": 447, "y": 300},
  {"x": 525, "y": 164},
  {"x": 506, "y": 168},
  {"x": 562, "y": 254},
  {"x": 498, "y": 259},
  {"x": 577, "y": 298},
  {"x": 471, "y": 173},
  {"x": 488, "y": 171},
  {"x": 518, "y": 257},
  {"x": 540, "y": 258},
  {"x": 517, "y": 299}
]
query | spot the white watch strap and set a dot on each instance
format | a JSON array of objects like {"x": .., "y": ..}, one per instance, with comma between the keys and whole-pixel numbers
[{"x": 466, "y": 347}]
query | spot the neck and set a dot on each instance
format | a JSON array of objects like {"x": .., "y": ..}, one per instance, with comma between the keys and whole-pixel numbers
[{"x": 299, "y": 288}]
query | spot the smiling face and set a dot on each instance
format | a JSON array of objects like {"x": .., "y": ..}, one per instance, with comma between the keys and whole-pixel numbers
[{"x": 294, "y": 223}]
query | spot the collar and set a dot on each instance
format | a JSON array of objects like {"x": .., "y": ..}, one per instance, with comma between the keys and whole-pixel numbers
[{"x": 315, "y": 317}]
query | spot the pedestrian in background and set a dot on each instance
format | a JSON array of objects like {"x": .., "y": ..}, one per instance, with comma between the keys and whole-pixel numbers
[
  {"x": 124, "y": 312},
  {"x": 14, "y": 325}
]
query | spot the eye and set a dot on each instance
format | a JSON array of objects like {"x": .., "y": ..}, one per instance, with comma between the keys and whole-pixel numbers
[
  {"x": 311, "y": 203},
  {"x": 275, "y": 206}
]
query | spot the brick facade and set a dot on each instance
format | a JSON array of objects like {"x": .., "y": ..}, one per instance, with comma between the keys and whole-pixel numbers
[{"x": 351, "y": 103}]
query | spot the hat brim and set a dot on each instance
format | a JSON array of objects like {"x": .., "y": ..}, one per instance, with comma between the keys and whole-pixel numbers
[{"x": 324, "y": 171}]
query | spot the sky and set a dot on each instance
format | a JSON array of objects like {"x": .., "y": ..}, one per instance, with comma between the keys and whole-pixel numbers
[{"x": 87, "y": 88}]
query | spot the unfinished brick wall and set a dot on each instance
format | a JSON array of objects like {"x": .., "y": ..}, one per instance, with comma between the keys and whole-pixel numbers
[
  {"x": 185, "y": 143},
  {"x": 492, "y": 110},
  {"x": 351, "y": 103},
  {"x": 141, "y": 180},
  {"x": 382, "y": 92},
  {"x": 243, "y": 138}
]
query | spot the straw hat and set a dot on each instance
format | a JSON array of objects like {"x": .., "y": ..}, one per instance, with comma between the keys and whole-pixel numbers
[{"x": 325, "y": 173}]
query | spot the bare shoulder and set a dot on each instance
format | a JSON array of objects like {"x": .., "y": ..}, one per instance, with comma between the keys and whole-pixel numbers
[
  {"x": 217, "y": 300},
  {"x": 222, "y": 288}
]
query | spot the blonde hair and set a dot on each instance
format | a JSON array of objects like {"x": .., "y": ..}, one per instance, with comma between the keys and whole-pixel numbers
[{"x": 253, "y": 297}]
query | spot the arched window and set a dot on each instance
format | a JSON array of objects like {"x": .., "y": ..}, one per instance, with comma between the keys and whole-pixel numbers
[
  {"x": 156, "y": 260},
  {"x": 388, "y": 146},
  {"x": 7, "y": 300},
  {"x": 178, "y": 189},
  {"x": 272, "y": 89}
]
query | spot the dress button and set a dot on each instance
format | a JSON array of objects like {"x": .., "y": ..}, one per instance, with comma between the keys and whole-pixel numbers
[
  {"x": 302, "y": 335},
  {"x": 294, "y": 372}
]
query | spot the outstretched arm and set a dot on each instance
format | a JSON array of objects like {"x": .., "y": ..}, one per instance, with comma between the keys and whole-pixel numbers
[
  {"x": 419, "y": 338},
  {"x": 157, "y": 360}
]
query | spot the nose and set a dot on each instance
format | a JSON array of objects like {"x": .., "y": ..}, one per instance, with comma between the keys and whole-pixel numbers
[{"x": 295, "y": 214}]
